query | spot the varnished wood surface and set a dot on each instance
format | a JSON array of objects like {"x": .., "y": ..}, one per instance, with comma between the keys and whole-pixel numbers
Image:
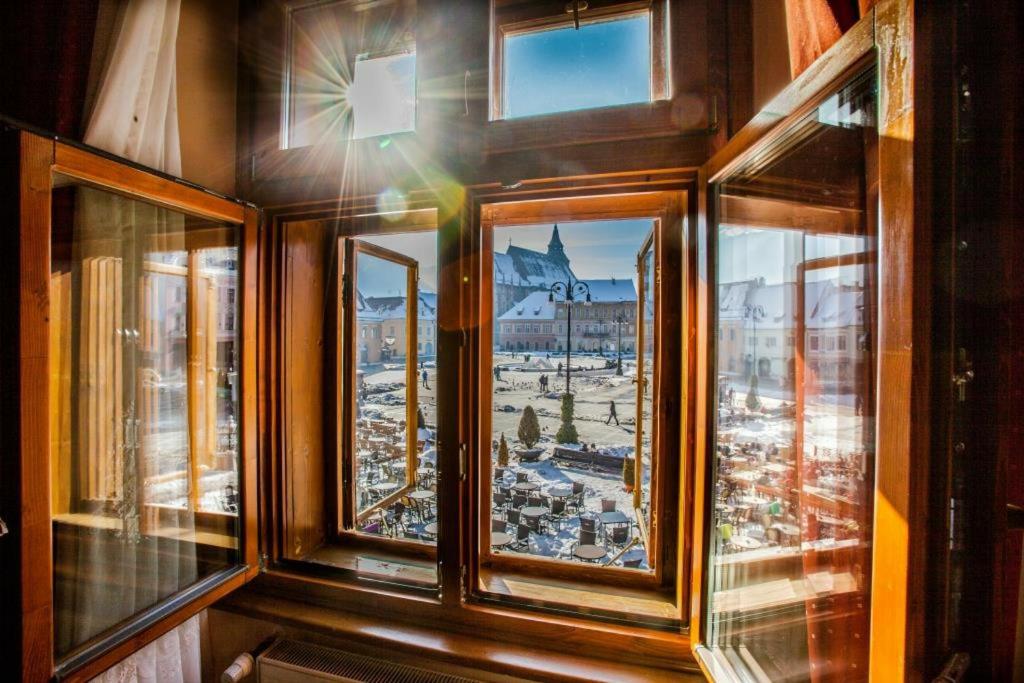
[
  {"x": 35, "y": 533},
  {"x": 901, "y": 473}
]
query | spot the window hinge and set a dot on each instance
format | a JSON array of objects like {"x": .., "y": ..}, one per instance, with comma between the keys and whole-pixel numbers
[{"x": 463, "y": 461}]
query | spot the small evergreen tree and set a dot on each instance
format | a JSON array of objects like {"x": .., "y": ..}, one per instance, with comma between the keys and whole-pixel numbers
[
  {"x": 502, "y": 452},
  {"x": 629, "y": 472},
  {"x": 567, "y": 432},
  {"x": 753, "y": 401},
  {"x": 421, "y": 420},
  {"x": 529, "y": 427}
]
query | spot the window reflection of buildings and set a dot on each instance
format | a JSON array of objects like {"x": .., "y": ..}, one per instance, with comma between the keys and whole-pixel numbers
[{"x": 835, "y": 343}]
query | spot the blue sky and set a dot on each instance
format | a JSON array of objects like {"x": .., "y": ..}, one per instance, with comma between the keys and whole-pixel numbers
[
  {"x": 597, "y": 250},
  {"x": 603, "y": 64}
]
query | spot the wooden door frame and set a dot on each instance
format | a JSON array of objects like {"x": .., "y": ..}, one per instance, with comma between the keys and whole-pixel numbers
[
  {"x": 884, "y": 37},
  {"x": 39, "y": 158}
]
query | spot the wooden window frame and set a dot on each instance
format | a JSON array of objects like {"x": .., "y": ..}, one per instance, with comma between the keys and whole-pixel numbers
[
  {"x": 670, "y": 477},
  {"x": 883, "y": 37},
  {"x": 39, "y": 159},
  {"x": 336, "y": 403},
  {"x": 350, "y": 246},
  {"x": 287, "y": 115},
  {"x": 541, "y": 16}
]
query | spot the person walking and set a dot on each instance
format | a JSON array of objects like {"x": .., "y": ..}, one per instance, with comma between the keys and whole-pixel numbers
[
  {"x": 611, "y": 414},
  {"x": 425, "y": 385}
]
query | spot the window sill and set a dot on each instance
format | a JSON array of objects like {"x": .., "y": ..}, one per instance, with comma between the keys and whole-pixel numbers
[
  {"x": 376, "y": 563},
  {"x": 481, "y": 638},
  {"x": 638, "y": 607}
]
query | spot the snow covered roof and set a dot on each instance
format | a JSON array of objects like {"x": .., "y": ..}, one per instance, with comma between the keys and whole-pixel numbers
[
  {"x": 505, "y": 270},
  {"x": 534, "y": 307},
  {"x": 364, "y": 311},
  {"x": 390, "y": 308},
  {"x": 613, "y": 290},
  {"x": 537, "y": 269},
  {"x": 827, "y": 304}
]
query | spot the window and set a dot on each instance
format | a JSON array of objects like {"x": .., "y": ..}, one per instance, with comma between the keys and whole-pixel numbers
[
  {"x": 790, "y": 550},
  {"x": 543, "y": 64},
  {"x": 581, "y": 497},
  {"x": 145, "y": 467},
  {"x": 361, "y": 408},
  {"x": 351, "y": 71}
]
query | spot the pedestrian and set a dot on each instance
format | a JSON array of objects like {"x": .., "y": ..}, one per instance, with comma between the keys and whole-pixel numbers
[
  {"x": 611, "y": 414},
  {"x": 425, "y": 385},
  {"x": 559, "y": 369}
]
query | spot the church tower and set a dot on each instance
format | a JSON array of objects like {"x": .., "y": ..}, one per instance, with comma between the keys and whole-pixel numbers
[{"x": 556, "y": 252}]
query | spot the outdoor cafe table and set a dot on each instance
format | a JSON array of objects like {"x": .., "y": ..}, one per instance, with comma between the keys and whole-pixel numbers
[
  {"x": 560, "y": 492},
  {"x": 500, "y": 539},
  {"x": 745, "y": 542},
  {"x": 422, "y": 494},
  {"x": 589, "y": 552},
  {"x": 384, "y": 486},
  {"x": 525, "y": 486},
  {"x": 533, "y": 511},
  {"x": 614, "y": 517},
  {"x": 788, "y": 529},
  {"x": 430, "y": 529}
]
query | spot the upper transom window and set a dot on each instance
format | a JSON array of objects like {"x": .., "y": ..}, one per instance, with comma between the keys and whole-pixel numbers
[
  {"x": 547, "y": 64},
  {"x": 351, "y": 71}
]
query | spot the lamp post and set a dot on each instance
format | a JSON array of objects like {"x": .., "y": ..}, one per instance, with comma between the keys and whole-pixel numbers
[
  {"x": 619, "y": 321},
  {"x": 754, "y": 312},
  {"x": 570, "y": 290}
]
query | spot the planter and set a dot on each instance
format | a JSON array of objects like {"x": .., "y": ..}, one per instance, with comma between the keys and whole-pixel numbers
[{"x": 529, "y": 454}]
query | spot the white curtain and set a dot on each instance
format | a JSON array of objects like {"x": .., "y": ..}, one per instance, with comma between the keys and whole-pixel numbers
[
  {"x": 172, "y": 658},
  {"x": 135, "y": 116}
]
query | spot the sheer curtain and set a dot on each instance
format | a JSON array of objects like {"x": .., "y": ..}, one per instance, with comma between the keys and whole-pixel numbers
[{"x": 134, "y": 116}]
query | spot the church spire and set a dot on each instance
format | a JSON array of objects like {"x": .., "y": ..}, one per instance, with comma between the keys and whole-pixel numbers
[{"x": 555, "y": 249}]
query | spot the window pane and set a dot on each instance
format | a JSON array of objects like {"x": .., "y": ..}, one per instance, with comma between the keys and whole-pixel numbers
[
  {"x": 602, "y": 64},
  {"x": 396, "y": 422},
  {"x": 352, "y": 71},
  {"x": 797, "y": 259},
  {"x": 563, "y": 414},
  {"x": 144, "y": 386}
]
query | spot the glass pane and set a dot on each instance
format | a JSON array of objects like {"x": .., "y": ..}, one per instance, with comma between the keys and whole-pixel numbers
[
  {"x": 396, "y": 351},
  {"x": 352, "y": 71},
  {"x": 144, "y": 344},
  {"x": 645, "y": 387},
  {"x": 563, "y": 411},
  {"x": 790, "y": 559},
  {"x": 602, "y": 64}
]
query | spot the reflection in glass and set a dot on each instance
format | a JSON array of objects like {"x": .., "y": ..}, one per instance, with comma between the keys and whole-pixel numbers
[
  {"x": 563, "y": 416},
  {"x": 602, "y": 64},
  {"x": 395, "y": 349},
  {"x": 144, "y": 388},
  {"x": 790, "y": 557},
  {"x": 645, "y": 387}
]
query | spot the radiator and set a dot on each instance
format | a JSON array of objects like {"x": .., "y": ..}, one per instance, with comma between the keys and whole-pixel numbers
[{"x": 289, "y": 661}]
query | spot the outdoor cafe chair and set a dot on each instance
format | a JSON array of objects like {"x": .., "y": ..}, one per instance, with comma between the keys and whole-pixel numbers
[
  {"x": 617, "y": 534},
  {"x": 607, "y": 505},
  {"x": 522, "y": 477},
  {"x": 498, "y": 524},
  {"x": 499, "y": 501},
  {"x": 518, "y": 501},
  {"x": 535, "y": 501},
  {"x": 512, "y": 516},
  {"x": 522, "y": 536}
]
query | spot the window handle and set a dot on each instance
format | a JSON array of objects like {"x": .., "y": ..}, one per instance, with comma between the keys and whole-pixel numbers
[
  {"x": 574, "y": 8},
  {"x": 3, "y": 528}
]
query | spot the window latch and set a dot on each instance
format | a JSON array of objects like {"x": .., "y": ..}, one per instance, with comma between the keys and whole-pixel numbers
[
  {"x": 574, "y": 8},
  {"x": 463, "y": 461}
]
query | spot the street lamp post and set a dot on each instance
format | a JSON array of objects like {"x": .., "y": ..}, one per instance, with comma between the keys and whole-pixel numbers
[
  {"x": 619, "y": 320},
  {"x": 570, "y": 290},
  {"x": 754, "y": 312}
]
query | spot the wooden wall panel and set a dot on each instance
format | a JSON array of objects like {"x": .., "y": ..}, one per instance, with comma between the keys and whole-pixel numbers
[{"x": 302, "y": 377}]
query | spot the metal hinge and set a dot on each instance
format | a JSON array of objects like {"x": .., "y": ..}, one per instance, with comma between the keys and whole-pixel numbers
[
  {"x": 964, "y": 376},
  {"x": 463, "y": 461}
]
